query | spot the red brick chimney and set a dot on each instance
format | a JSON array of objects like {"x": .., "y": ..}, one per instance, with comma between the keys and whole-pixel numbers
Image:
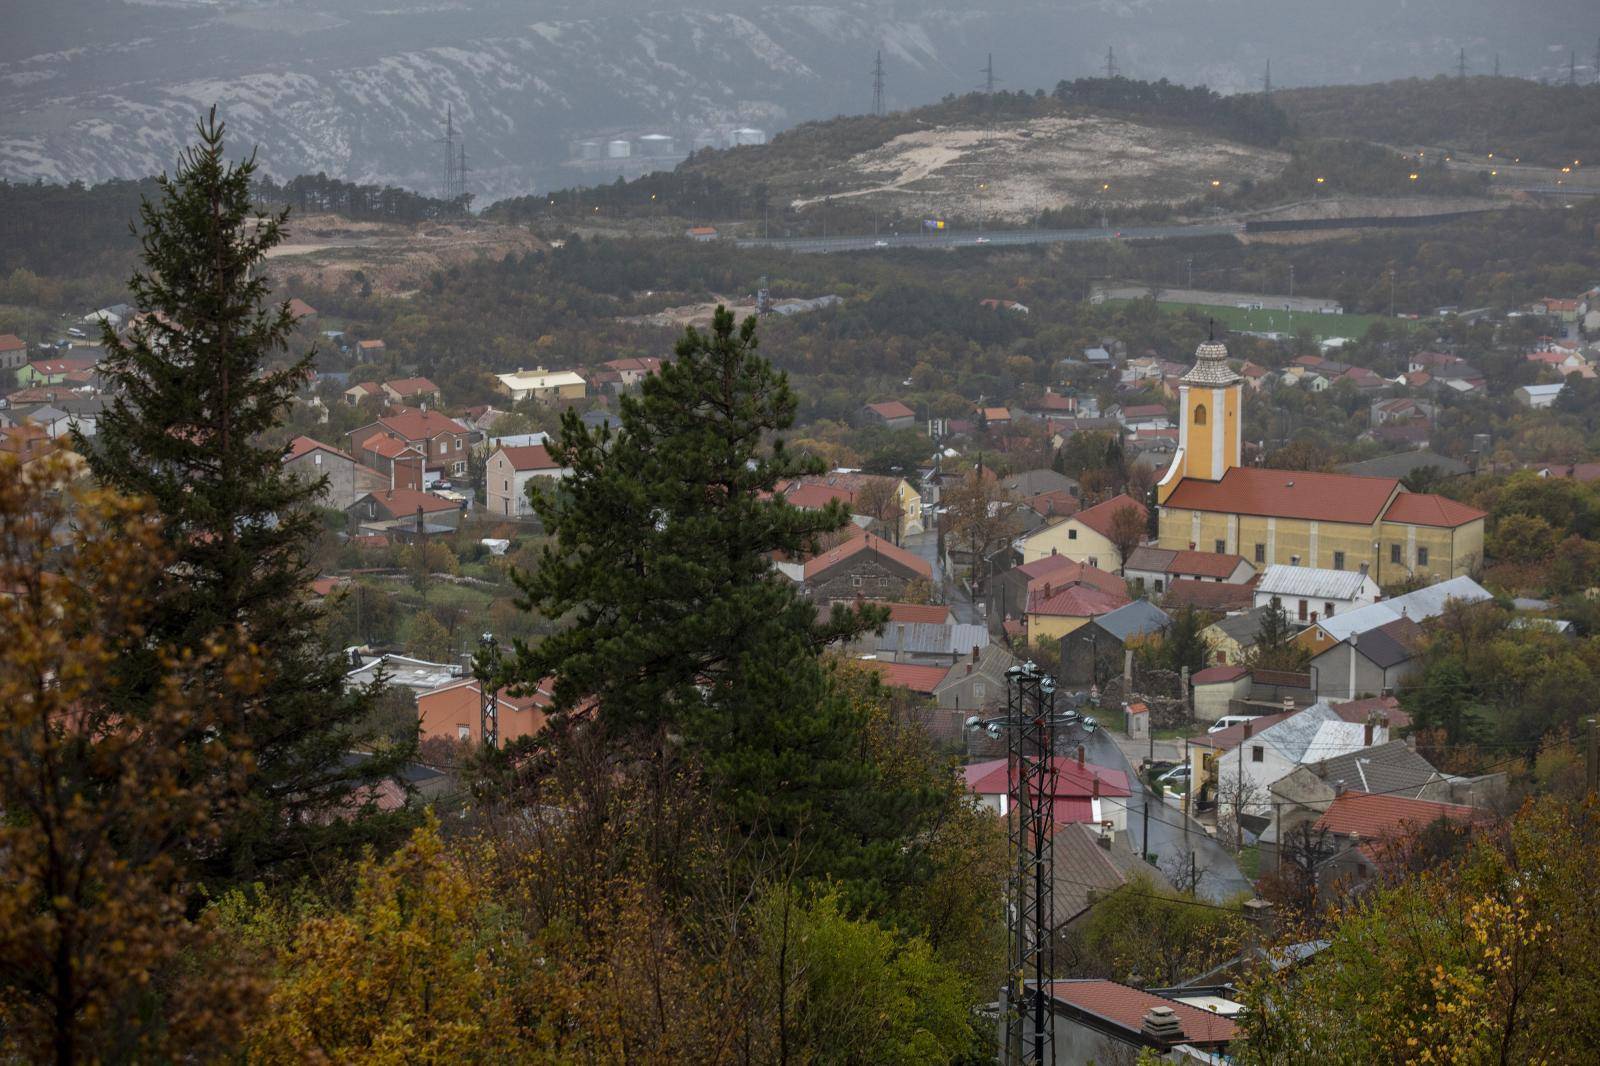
[
  {"x": 1249, "y": 727},
  {"x": 1366, "y": 737},
  {"x": 974, "y": 654},
  {"x": 1080, "y": 756}
]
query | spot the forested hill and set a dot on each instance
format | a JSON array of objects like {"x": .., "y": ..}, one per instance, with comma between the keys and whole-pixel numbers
[{"x": 1513, "y": 117}]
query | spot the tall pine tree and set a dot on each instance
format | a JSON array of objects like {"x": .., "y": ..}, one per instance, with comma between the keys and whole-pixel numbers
[
  {"x": 678, "y": 625},
  {"x": 195, "y": 390}
]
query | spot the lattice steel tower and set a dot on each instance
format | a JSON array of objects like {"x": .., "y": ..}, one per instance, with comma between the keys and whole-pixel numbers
[
  {"x": 877, "y": 84},
  {"x": 1030, "y": 724}
]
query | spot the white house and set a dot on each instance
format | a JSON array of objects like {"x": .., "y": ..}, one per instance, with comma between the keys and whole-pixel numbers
[
  {"x": 1261, "y": 756},
  {"x": 1309, "y": 593},
  {"x": 542, "y": 384},
  {"x": 1537, "y": 396},
  {"x": 508, "y": 473}
]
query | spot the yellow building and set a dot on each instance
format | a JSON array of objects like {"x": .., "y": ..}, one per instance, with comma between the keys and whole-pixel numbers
[
  {"x": 1208, "y": 502},
  {"x": 1085, "y": 537},
  {"x": 1053, "y": 613},
  {"x": 547, "y": 386}
]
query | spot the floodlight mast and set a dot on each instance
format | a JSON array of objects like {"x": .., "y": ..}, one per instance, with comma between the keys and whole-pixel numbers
[{"x": 1029, "y": 724}]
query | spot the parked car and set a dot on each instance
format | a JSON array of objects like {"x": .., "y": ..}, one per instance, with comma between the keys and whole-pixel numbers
[{"x": 1229, "y": 720}]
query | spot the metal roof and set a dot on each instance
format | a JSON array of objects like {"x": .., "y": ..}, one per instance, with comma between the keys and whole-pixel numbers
[
  {"x": 1311, "y": 582},
  {"x": 1139, "y": 618},
  {"x": 1418, "y": 606}
]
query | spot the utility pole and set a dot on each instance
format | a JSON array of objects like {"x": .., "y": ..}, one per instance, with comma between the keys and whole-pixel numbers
[
  {"x": 877, "y": 84},
  {"x": 1461, "y": 65},
  {"x": 1111, "y": 63}
]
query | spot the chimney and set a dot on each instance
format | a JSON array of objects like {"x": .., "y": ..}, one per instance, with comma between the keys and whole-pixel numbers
[
  {"x": 1046, "y": 591},
  {"x": 969, "y": 669},
  {"x": 1104, "y": 840},
  {"x": 1366, "y": 736},
  {"x": 1338, "y": 789},
  {"x": 974, "y": 653},
  {"x": 1080, "y": 756},
  {"x": 1249, "y": 727},
  {"x": 1052, "y": 551},
  {"x": 1096, "y": 793},
  {"x": 1364, "y": 569},
  {"x": 1288, "y": 705},
  {"x": 1161, "y": 1024}
]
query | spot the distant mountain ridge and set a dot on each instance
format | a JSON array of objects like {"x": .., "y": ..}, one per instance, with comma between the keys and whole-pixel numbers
[{"x": 95, "y": 89}]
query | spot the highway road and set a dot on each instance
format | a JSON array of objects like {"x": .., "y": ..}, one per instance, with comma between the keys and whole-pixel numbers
[{"x": 994, "y": 238}]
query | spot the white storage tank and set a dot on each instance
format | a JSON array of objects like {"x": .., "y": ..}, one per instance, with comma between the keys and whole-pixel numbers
[
  {"x": 655, "y": 144},
  {"x": 618, "y": 149},
  {"x": 588, "y": 149}
]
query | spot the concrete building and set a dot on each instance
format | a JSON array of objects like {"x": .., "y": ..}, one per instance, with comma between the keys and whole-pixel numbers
[
  {"x": 546, "y": 386},
  {"x": 455, "y": 711},
  {"x": 1083, "y": 538},
  {"x": 348, "y": 480},
  {"x": 1093, "y": 654},
  {"x": 1373, "y": 663},
  {"x": 1307, "y": 593},
  {"x": 1156, "y": 568},
  {"x": 508, "y": 474},
  {"x": 863, "y": 566}
]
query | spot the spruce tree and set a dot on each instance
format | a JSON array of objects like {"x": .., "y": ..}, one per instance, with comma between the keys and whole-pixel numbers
[
  {"x": 679, "y": 629},
  {"x": 198, "y": 381}
]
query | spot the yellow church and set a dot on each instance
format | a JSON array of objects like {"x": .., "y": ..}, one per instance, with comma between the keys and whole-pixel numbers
[{"x": 1209, "y": 501}]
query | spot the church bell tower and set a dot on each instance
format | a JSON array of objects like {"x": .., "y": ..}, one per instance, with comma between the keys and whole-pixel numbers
[{"x": 1210, "y": 434}]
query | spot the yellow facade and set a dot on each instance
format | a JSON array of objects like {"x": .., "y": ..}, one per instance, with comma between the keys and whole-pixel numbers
[
  {"x": 910, "y": 508},
  {"x": 1075, "y": 541},
  {"x": 1053, "y": 626},
  {"x": 1210, "y": 421},
  {"x": 1429, "y": 552}
]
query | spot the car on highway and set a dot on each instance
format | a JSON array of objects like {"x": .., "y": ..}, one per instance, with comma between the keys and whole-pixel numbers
[
  {"x": 880, "y": 244},
  {"x": 981, "y": 240}
]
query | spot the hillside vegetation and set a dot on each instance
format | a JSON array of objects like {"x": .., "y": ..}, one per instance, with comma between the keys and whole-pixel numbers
[{"x": 1551, "y": 124}]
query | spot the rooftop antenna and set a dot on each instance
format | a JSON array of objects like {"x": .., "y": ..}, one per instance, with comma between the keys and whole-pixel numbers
[
  {"x": 877, "y": 84},
  {"x": 1266, "y": 80},
  {"x": 1111, "y": 63},
  {"x": 1461, "y": 64}
]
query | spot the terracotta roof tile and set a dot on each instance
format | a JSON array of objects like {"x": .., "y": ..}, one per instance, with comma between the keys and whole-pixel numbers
[
  {"x": 1300, "y": 494},
  {"x": 403, "y": 502},
  {"x": 1075, "y": 601},
  {"x": 420, "y": 425},
  {"x": 1215, "y": 675},
  {"x": 892, "y": 409},
  {"x": 1371, "y": 816},
  {"x": 1098, "y": 517},
  {"x": 919, "y": 679},
  {"x": 1208, "y": 595},
  {"x": 1427, "y": 509},
  {"x": 304, "y": 445},
  {"x": 1125, "y": 1007},
  {"x": 10, "y": 342},
  {"x": 866, "y": 542},
  {"x": 530, "y": 457}
]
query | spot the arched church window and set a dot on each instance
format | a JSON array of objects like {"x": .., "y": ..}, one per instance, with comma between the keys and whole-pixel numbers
[{"x": 1200, "y": 414}]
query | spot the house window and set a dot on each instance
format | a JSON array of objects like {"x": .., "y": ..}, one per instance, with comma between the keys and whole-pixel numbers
[
  {"x": 1072, "y": 534},
  {"x": 1338, "y": 560},
  {"x": 1261, "y": 553},
  {"x": 1394, "y": 553},
  {"x": 855, "y": 580},
  {"x": 1327, "y": 610},
  {"x": 458, "y": 444},
  {"x": 1158, "y": 584},
  {"x": 1222, "y": 547},
  {"x": 1302, "y": 610},
  {"x": 1138, "y": 583},
  {"x": 444, "y": 446},
  {"x": 372, "y": 509},
  {"x": 1257, "y": 753},
  {"x": 463, "y": 732},
  {"x": 505, "y": 486},
  {"x": 1093, "y": 561},
  {"x": 978, "y": 690},
  {"x": 1422, "y": 556},
  {"x": 1200, "y": 414},
  {"x": 883, "y": 582},
  {"x": 317, "y": 459}
]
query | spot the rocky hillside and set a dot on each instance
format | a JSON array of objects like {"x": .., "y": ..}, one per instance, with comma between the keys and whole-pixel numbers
[{"x": 93, "y": 89}]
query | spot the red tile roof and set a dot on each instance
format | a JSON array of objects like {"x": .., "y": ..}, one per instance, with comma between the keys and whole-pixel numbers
[
  {"x": 10, "y": 342},
  {"x": 810, "y": 496},
  {"x": 997, "y": 414},
  {"x": 866, "y": 542},
  {"x": 386, "y": 446},
  {"x": 1203, "y": 564},
  {"x": 1145, "y": 410},
  {"x": 1125, "y": 1007},
  {"x": 371, "y": 388},
  {"x": 1050, "y": 504},
  {"x": 1215, "y": 675},
  {"x": 929, "y": 613},
  {"x": 413, "y": 386},
  {"x": 303, "y": 445},
  {"x": 1300, "y": 494},
  {"x": 1427, "y": 509},
  {"x": 61, "y": 366},
  {"x": 370, "y": 345},
  {"x": 647, "y": 364},
  {"x": 1075, "y": 601},
  {"x": 1358, "y": 711},
  {"x": 919, "y": 679},
  {"x": 1576, "y": 471},
  {"x": 991, "y": 777},
  {"x": 403, "y": 502},
  {"x": 1059, "y": 572},
  {"x": 891, "y": 409},
  {"x": 420, "y": 425},
  {"x": 1208, "y": 595},
  {"x": 530, "y": 457},
  {"x": 1374, "y": 815},
  {"x": 298, "y": 308},
  {"x": 1098, "y": 517}
]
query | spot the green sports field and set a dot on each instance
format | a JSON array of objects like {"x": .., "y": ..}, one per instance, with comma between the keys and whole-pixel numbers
[{"x": 1269, "y": 321}]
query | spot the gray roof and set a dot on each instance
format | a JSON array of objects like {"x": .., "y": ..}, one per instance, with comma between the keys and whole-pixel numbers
[
  {"x": 1137, "y": 619},
  {"x": 1034, "y": 482},
  {"x": 1144, "y": 557},
  {"x": 1086, "y": 869},
  {"x": 1243, "y": 628},
  {"x": 993, "y": 662},
  {"x": 1293, "y": 736},
  {"x": 1311, "y": 582},
  {"x": 1391, "y": 768},
  {"x": 418, "y": 675},
  {"x": 932, "y": 638},
  {"x": 1418, "y": 606},
  {"x": 1404, "y": 464}
]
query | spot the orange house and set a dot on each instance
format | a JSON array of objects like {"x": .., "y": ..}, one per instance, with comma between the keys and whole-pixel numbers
[{"x": 454, "y": 711}]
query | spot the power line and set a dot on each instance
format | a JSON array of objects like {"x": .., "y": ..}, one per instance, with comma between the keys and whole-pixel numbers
[
  {"x": 1461, "y": 65},
  {"x": 1111, "y": 63},
  {"x": 989, "y": 80}
]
